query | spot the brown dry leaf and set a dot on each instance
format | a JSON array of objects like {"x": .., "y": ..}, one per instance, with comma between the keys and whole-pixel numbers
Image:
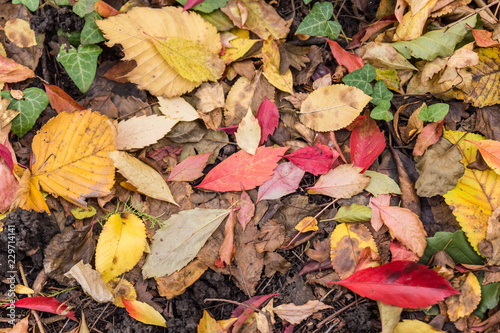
[
  {"x": 321, "y": 250},
  {"x": 490, "y": 247},
  {"x": 176, "y": 284},
  {"x": 274, "y": 262},
  {"x": 11, "y": 71},
  {"x": 211, "y": 97},
  {"x": 347, "y": 241},
  {"x": 248, "y": 133},
  {"x": 18, "y": 31},
  {"x": 295, "y": 314},
  {"x": 146, "y": 179},
  {"x": 6, "y": 116},
  {"x": 239, "y": 99},
  {"x": 271, "y": 236},
  {"x": 470, "y": 295},
  {"x": 144, "y": 34},
  {"x": 237, "y": 12},
  {"x": 139, "y": 132},
  {"x": 332, "y": 108},
  {"x": 91, "y": 282},
  {"x": 271, "y": 70},
  {"x": 463, "y": 58}
]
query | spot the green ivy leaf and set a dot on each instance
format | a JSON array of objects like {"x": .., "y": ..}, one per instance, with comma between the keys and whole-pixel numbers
[
  {"x": 381, "y": 111},
  {"x": 307, "y": 1},
  {"x": 361, "y": 78},
  {"x": 317, "y": 23},
  {"x": 91, "y": 34},
  {"x": 84, "y": 7},
  {"x": 207, "y": 6},
  {"x": 435, "y": 112},
  {"x": 490, "y": 294},
  {"x": 353, "y": 213},
  {"x": 72, "y": 36},
  {"x": 381, "y": 93},
  {"x": 81, "y": 65},
  {"x": 455, "y": 244},
  {"x": 35, "y": 100},
  {"x": 31, "y": 4}
]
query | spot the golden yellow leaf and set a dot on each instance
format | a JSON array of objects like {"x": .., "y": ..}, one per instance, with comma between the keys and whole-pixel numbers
[
  {"x": 143, "y": 177},
  {"x": 120, "y": 246},
  {"x": 137, "y": 30},
  {"x": 312, "y": 224},
  {"x": 20, "y": 289},
  {"x": 477, "y": 193},
  {"x": 121, "y": 288},
  {"x": 485, "y": 86},
  {"x": 347, "y": 241},
  {"x": 239, "y": 46},
  {"x": 70, "y": 160},
  {"x": 332, "y": 108},
  {"x": 466, "y": 302},
  {"x": 414, "y": 326},
  {"x": 271, "y": 67},
  {"x": 18, "y": 31},
  {"x": 248, "y": 133},
  {"x": 414, "y": 20}
]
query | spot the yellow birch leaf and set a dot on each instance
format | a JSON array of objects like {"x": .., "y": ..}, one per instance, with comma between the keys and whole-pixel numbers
[
  {"x": 120, "y": 246},
  {"x": 347, "y": 241},
  {"x": 208, "y": 324},
  {"x": 18, "y": 31},
  {"x": 413, "y": 22},
  {"x": 121, "y": 288},
  {"x": 239, "y": 46},
  {"x": 485, "y": 85},
  {"x": 248, "y": 133},
  {"x": 312, "y": 224},
  {"x": 137, "y": 29},
  {"x": 477, "y": 193},
  {"x": 271, "y": 67},
  {"x": 466, "y": 302},
  {"x": 70, "y": 159},
  {"x": 414, "y": 326},
  {"x": 332, "y": 108},
  {"x": 28, "y": 195},
  {"x": 146, "y": 179}
]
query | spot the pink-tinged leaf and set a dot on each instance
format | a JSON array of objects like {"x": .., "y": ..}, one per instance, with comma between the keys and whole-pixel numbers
[
  {"x": 285, "y": 180},
  {"x": 246, "y": 211},
  {"x": 144, "y": 313},
  {"x": 400, "y": 253},
  {"x": 268, "y": 117},
  {"x": 190, "y": 169},
  {"x": 242, "y": 170},
  {"x": 368, "y": 258},
  {"x": 226, "y": 251},
  {"x": 312, "y": 266},
  {"x": 382, "y": 200},
  {"x": 429, "y": 136},
  {"x": 317, "y": 159},
  {"x": 342, "y": 182},
  {"x": 8, "y": 187},
  {"x": 401, "y": 283},
  {"x": 44, "y": 304},
  {"x": 191, "y": 3},
  {"x": 242, "y": 313},
  {"x": 367, "y": 143},
  {"x": 347, "y": 59},
  {"x": 6, "y": 154},
  {"x": 229, "y": 130},
  {"x": 60, "y": 101},
  {"x": 366, "y": 32}
]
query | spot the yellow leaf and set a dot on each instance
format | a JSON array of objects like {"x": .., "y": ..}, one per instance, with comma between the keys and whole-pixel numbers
[
  {"x": 332, "y": 108},
  {"x": 239, "y": 46},
  {"x": 347, "y": 241},
  {"x": 271, "y": 68},
  {"x": 470, "y": 295},
  {"x": 81, "y": 213},
  {"x": 120, "y": 246},
  {"x": 28, "y": 195},
  {"x": 122, "y": 288},
  {"x": 414, "y": 326},
  {"x": 20, "y": 289},
  {"x": 144, "y": 312},
  {"x": 477, "y": 193},
  {"x": 413, "y": 22},
  {"x": 155, "y": 73},
  {"x": 70, "y": 160},
  {"x": 18, "y": 31},
  {"x": 485, "y": 86},
  {"x": 312, "y": 224},
  {"x": 389, "y": 315},
  {"x": 146, "y": 179},
  {"x": 208, "y": 324},
  {"x": 248, "y": 133}
]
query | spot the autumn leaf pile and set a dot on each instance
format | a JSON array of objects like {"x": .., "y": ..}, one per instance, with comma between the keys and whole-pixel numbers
[{"x": 377, "y": 161}]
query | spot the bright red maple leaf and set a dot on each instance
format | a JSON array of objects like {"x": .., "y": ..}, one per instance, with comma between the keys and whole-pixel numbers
[
  {"x": 401, "y": 283},
  {"x": 268, "y": 117},
  {"x": 44, "y": 304},
  {"x": 350, "y": 60},
  {"x": 367, "y": 142},
  {"x": 317, "y": 159}
]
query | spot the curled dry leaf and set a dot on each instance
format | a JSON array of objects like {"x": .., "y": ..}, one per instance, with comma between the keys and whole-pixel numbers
[
  {"x": 295, "y": 314},
  {"x": 91, "y": 282},
  {"x": 470, "y": 295}
]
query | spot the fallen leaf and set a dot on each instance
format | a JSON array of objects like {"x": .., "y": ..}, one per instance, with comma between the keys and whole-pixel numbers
[
  {"x": 243, "y": 170},
  {"x": 211, "y": 97},
  {"x": 249, "y": 133},
  {"x": 120, "y": 246},
  {"x": 11, "y": 71},
  {"x": 274, "y": 262},
  {"x": 308, "y": 223},
  {"x": 44, "y": 304},
  {"x": 389, "y": 315},
  {"x": 271, "y": 236},
  {"x": 146, "y": 179},
  {"x": 484, "y": 38},
  {"x": 317, "y": 22},
  {"x": 381, "y": 184},
  {"x": 139, "y": 132},
  {"x": 383, "y": 56},
  {"x": 247, "y": 209},
  {"x": 414, "y": 326},
  {"x": 176, "y": 283},
  {"x": 271, "y": 60},
  {"x": 463, "y": 58},
  {"x": 490, "y": 150},
  {"x": 285, "y": 180},
  {"x": 353, "y": 213},
  {"x": 209, "y": 325},
  {"x": 401, "y": 253},
  {"x": 332, "y": 108},
  {"x": 80, "y": 64},
  {"x": 295, "y": 314},
  {"x": 180, "y": 239},
  {"x": 104, "y": 9},
  {"x": 60, "y": 101},
  {"x": 239, "y": 46},
  {"x": 268, "y": 117},
  {"x": 429, "y": 136},
  {"x": 21, "y": 326},
  {"x": 456, "y": 246},
  {"x": 122, "y": 289},
  {"x": 317, "y": 159},
  {"x": 177, "y": 108},
  {"x": 413, "y": 22},
  {"x": 226, "y": 251},
  {"x": 347, "y": 241},
  {"x": 243, "y": 313},
  {"x": 401, "y": 283},
  {"x": 350, "y": 60},
  {"x": 18, "y": 31},
  {"x": 131, "y": 31},
  {"x": 367, "y": 143},
  {"x": 144, "y": 313},
  {"x": 239, "y": 99},
  {"x": 91, "y": 282},
  {"x": 466, "y": 302},
  {"x": 342, "y": 182},
  {"x": 189, "y": 169}
]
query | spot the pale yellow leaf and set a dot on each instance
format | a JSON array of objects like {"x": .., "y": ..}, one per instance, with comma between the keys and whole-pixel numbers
[
  {"x": 466, "y": 302},
  {"x": 414, "y": 21},
  {"x": 211, "y": 97},
  {"x": 120, "y": 246},
  {"x": 146, "y": 179},
  {"x": 18, "y": 31},
  {"x": 153, "y": 72},
  {"x": 239, "y": 99},
  {"x": 271, "y": 68},
  {"x": 463, "y": 58},
  {"x": 389, "y": 315},
  {"x": 248, "y": 133},
  {"x": 342, "y": 182},
  {"x": 177, "y": 108},
  {"x": 139, "y": 132},
  {"x": 21, "y": 289},
  {"x": 415, "y": 326},
  {"x": 91, "y": 282},
  {"x": 332, "y": 108},
  {"x": 240, "y": 45},
  {"x": 295, "y": 314}
]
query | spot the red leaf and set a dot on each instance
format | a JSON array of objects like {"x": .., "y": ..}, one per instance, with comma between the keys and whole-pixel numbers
[
  {"x": 401, "y": 253},
  {"x": 317, "y": 159},
  {"x": 243, "y": 170},
  {"x": 484, "y": 38},
  {"x": 429, "y": 136},
  {"x": 367, "y": 142},
  {"x": 191, "y": 3},
  {"x": 7, "y": 156},
  {"x": 229, "y": 130},
  {"x": 44, "y": 304},
  {"x": 190, "y": 169},
  {"x": 60, "y": 101},
  {"x": 347, "y": 59},
  {"x": 285, "y": 180},
  {"x": 401, "y": 283},
  {"x": 268, "y": 117},
  {"x": 242, "y": 312},
  {"x": 365, "y": 33}
]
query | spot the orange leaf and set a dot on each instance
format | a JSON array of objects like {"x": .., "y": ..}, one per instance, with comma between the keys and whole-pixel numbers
[
  {"x": 380, "y": 200},
  {"x": 144, "y": 313},
  {"x": 243, "y": 170},
  {"x": 429, "y": 136},
  {"x": 490, "y": 150},
  {"x": 104, "y": 9},
  {"x": 350, "y": 60},
  {"x": 11, "y": 71},
  {"x": 60, "y": 101},
  {"x": 226, "y": 251},
  {"x": 208, "y": 324}
]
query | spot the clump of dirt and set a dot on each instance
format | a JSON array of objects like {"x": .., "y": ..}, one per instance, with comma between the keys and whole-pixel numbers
[
  {"x": 50, "y": 19},
  {"x": 358, "y": 319}
]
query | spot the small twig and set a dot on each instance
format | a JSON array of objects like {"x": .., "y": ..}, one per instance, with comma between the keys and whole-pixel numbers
[
  {"x": 34, "y": 312},
  {"x": 335, "y": 314},
  {"x": 100, "y": 315}
]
